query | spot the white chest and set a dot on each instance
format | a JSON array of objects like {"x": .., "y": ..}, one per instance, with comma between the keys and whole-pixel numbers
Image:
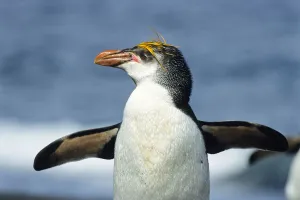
[{"x": 160, "y": 152}]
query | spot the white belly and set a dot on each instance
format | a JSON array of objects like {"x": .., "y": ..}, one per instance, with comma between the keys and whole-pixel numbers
[{"x": 159, "y": 153}]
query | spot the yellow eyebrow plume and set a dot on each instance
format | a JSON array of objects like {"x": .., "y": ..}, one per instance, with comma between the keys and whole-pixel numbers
[{"x": 158, "y": 44}]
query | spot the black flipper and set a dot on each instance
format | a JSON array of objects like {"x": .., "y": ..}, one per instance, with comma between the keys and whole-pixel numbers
[
  {"x": 220, "y": 136},
  {"x": 99, "y": 142}
]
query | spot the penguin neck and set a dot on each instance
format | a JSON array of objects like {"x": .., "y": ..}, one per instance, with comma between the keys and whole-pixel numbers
[
  {"x": 148, "y": 98},
  {"x": 178, "y": 82},
  {"x": 151, "y": 91},
  {"x": 167, "y": 90}
]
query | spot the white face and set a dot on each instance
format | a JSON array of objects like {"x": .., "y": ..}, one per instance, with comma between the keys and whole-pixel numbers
[
  {"x": 139, "y": 70},
  {"x": 139, "y": 63}
]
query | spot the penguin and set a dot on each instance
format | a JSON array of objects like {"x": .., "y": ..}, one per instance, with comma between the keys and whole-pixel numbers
[
  {"x": 293, "y": 180},
  {"x": 160, "y": 148}
]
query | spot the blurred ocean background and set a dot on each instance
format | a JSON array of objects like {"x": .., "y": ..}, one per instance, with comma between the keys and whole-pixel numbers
[{"x": 244, "y": 56}]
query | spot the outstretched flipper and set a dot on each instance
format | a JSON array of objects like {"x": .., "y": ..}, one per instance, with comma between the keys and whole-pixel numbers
[
  {"x": 220, "y": 136},
  {"x": 99, "y": 142},
  {"x": 294, "y": 146}
]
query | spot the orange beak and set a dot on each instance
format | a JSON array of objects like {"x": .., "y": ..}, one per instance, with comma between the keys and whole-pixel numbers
[{"x": 112, "y": 58}]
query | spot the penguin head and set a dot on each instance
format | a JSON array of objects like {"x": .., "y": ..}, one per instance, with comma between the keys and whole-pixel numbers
[{"x": 153, "y": 61}]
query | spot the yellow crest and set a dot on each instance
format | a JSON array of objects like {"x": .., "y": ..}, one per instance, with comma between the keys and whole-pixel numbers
[{"x": 159, "y": 43}]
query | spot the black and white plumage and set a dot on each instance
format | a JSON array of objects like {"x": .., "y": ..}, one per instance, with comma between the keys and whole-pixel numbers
[
  {"x": 160, "y": 148},
  {"x": 160, "y": 151}
]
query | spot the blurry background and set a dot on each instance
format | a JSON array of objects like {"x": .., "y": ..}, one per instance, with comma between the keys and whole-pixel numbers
[{"x": 244, "y": 56}]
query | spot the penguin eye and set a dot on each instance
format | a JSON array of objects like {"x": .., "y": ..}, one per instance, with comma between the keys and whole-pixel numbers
[{"x": 142, "y": 54}]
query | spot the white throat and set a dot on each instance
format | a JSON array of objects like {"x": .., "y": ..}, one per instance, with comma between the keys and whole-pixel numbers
[
  {"x": 140, "y": 72},
  {"x": 160, "y": 151}
]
